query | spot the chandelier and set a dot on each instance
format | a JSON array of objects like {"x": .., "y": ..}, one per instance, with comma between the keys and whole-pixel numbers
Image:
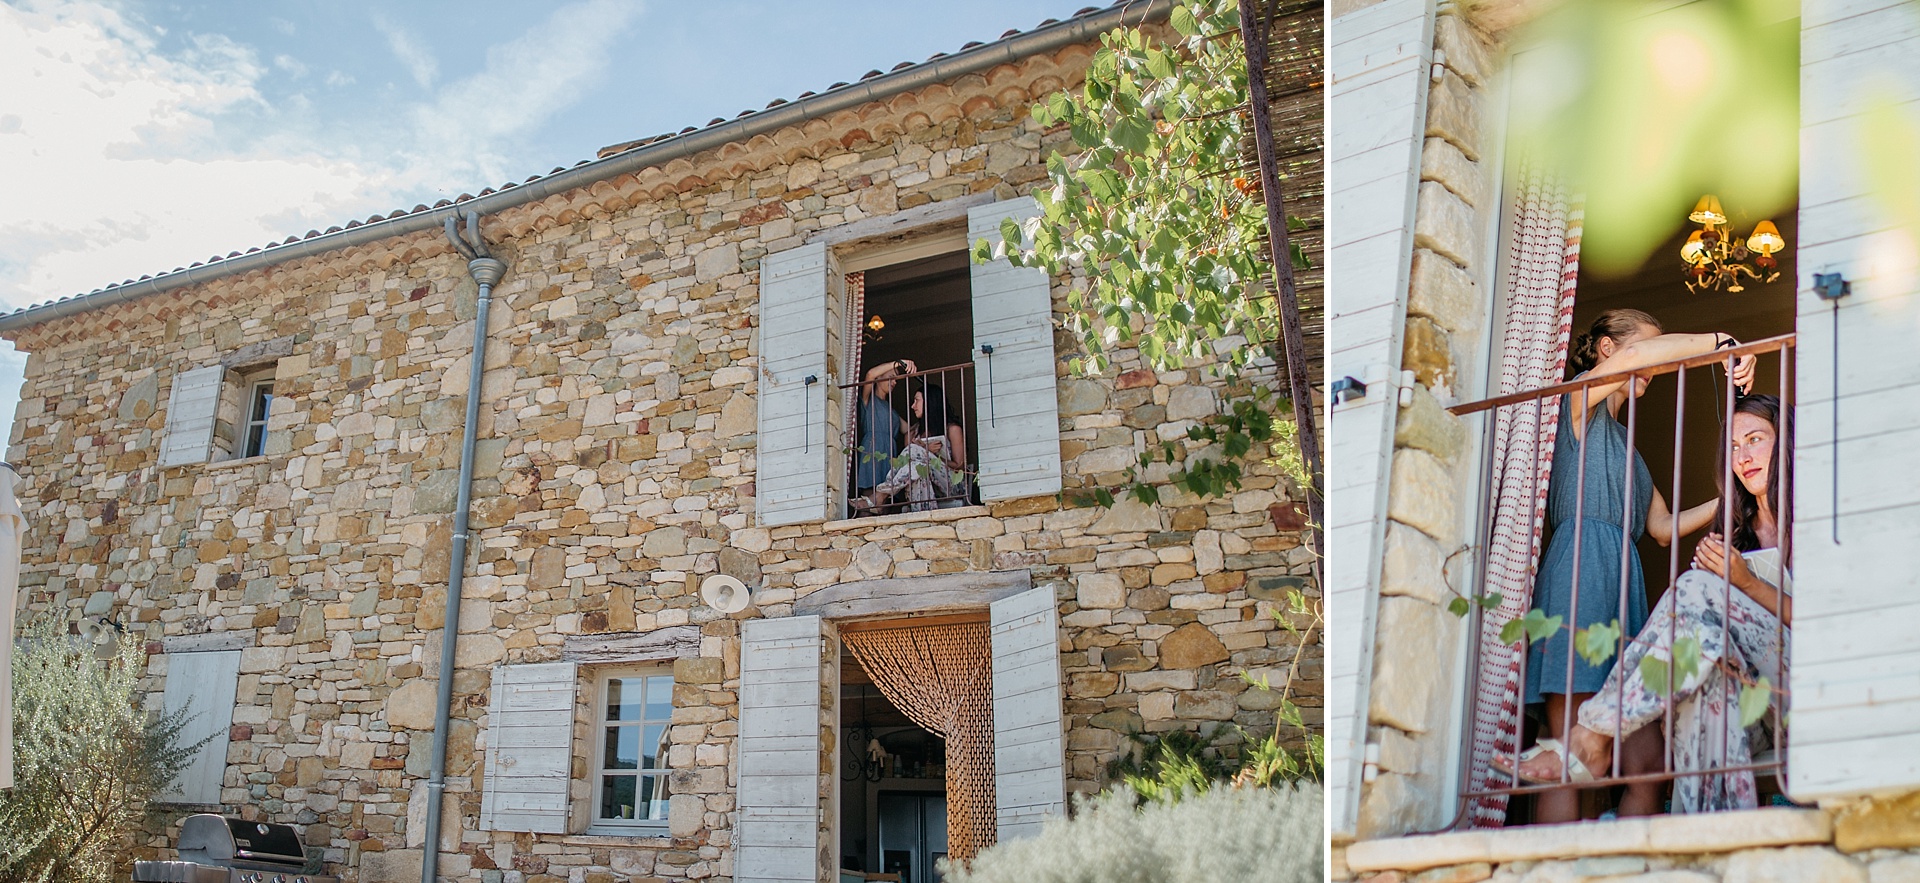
[{"x": 1716, "y": 257}]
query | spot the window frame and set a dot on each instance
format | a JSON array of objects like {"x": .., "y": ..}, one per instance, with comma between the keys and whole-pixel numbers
[
  {"x": 253, "y": 432},
  {"x": 597, "y": 741}
]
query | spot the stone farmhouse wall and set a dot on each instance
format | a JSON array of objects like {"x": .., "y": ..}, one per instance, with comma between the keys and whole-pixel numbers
[{"x": 616, "y": 468}]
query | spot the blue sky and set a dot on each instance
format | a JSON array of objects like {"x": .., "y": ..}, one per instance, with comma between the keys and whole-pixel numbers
[{"x": 140, "y": 136}]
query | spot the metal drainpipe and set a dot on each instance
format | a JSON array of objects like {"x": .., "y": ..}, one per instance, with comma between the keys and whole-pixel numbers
[{"x": 485, "y": 271}]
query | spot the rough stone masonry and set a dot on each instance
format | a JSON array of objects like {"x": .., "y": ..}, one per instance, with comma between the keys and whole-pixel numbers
[{"x": 616, "y": 468}]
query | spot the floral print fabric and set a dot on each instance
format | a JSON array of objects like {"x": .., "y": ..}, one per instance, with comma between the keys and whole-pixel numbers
[{"x": 1740, "y": 642}]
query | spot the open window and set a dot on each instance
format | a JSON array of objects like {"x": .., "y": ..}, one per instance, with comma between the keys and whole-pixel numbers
[
  {"x": 913, "y": 429},
  {"x": 993, "y": 363},
  {"x": 1545, "y": 539},
  {"x": 220, "y": 412},
  {"x": 253, "y": 408}
]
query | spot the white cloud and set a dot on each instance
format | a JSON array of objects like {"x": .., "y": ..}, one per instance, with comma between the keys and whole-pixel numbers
[
  {"x": 125, "y": 160},
  {"x": 417, "y": 58},
  {"x": 526, "y": 81},
  {"x": 114, "y": 167}
]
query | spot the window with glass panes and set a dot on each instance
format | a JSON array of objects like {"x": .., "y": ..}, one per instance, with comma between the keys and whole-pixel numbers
[
  {"x": 259, "y": 403},
  {"x": 630, "y": 779}
]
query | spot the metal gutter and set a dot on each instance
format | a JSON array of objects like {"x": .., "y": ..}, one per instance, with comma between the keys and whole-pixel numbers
[{"x": 1080, "y": 29}]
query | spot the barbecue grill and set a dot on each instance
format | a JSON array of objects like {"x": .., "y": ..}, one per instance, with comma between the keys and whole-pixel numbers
[{"x": 217, "y": 849}]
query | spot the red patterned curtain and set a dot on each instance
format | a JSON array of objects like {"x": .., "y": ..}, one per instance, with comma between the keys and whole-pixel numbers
[
  {"x": 851, "y": 337},
  {"x": 1542, "y": 266}
]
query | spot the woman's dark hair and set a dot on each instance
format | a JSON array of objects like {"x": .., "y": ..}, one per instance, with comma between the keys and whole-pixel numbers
[
  {"x": 1746, "y": 508},
  {"x": 1618, "y": 324},
  {"x": 937, "y": 416}
]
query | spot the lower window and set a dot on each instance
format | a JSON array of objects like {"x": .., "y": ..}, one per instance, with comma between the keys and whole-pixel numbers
[{"x": 633, "y": 724}]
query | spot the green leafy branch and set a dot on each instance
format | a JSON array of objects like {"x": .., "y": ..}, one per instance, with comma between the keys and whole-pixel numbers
[{"x": 1164, "y": 238}]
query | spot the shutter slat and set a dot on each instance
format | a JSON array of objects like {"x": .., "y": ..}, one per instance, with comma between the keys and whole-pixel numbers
[
  {"x": 780, "y": 808},
  {"x": 1855, "y": 718},
  {"x": 203, "y": 684},
  {"x": 192, "y": 409},
  {"x": 1017, "y": 412},
  {"x": 795, "y": 419},
  {"x": 1029, "y": 765},
  {"x": 529, "y": 765}
]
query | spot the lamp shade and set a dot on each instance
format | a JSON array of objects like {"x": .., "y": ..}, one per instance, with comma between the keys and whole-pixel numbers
[
  {"x": 1694, "y": 252},
  {"x": 1766, "y": 239},
  {"x": 1708, "y": 211}
]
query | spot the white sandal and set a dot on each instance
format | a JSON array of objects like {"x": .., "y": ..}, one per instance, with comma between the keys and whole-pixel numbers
[{"x": 1577, "y": 771}]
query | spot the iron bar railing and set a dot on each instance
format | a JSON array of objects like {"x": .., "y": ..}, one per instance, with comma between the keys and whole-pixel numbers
[
  {"x": 1481, "y": 783},
  {"x": 910, "y": 444}
]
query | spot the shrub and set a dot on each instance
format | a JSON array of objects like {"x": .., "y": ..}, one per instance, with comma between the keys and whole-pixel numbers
[
  {"x": 1246, "y": 835},
  {"x": 87, "y": 760}
]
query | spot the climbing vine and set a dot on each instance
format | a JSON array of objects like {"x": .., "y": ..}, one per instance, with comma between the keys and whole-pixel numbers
[{"x": 1162, "y": 224}]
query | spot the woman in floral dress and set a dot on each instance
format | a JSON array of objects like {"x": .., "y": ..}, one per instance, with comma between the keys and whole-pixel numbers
[{"x": 1736, "y": 607}]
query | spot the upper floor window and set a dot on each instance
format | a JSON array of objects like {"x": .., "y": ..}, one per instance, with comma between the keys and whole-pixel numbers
[
  {"x": 224, "y": 411},
  {"x": 847, "y": 345},
  {"x": 911, "y": 429},
  {"x": 259, "y": 405}
]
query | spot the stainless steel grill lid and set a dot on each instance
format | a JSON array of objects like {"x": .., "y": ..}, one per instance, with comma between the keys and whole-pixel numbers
[{"x": 218, "y": 840}]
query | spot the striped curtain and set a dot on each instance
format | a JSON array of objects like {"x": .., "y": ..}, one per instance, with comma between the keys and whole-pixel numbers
[
  {"x": 1542, "y": 266},
  {"x": 851, "y": 336}
]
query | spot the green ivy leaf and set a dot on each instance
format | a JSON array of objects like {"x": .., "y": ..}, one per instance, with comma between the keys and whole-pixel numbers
[
  {"x": 1686, "y": 659},
  {"x": 1104, "y": 184},
  {"x": 1490, "y": 600},
  {"x": 1459, "y": 606},
  {"x": 1535, "y": 626},
  {"x": 1130, "y": 132},
  {"x": 1653, "y": 671},
  {"x": 1183, "y": 21},
  {"x": 1596, "y": 643},
  {"x": 1754, "y": 700}
]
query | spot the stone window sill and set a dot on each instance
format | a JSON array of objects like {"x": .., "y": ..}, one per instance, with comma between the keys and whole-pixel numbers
[
  {"x": 639, "y": 837},
  {"x": 934, "y": 517},
  {"x": 240, "y": 463},
  {"x": 1666, "y": 834}
]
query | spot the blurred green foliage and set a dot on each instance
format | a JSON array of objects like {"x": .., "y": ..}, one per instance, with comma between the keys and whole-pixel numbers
[{"x": 1647, "y": 108}]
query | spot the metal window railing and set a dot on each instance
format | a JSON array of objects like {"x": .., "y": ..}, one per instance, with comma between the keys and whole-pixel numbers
[
  {"x": 910, "y": 442},
  {"x": 1480, "y": 783}
]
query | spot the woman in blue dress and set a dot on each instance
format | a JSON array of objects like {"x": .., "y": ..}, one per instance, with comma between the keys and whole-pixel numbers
[
  {"x": 1619, "y": 340},
  {"x": 880, "y": 430}
]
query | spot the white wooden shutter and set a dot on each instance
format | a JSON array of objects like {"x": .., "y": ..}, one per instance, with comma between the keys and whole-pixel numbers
[
  {"x": 783, "y": 668},
  {"x": 793, "y": 481},
  {"x": 191, "y": 409},
  {"x": 202, "y": 684},
  {"x": 1029, "y": 763},
  {"x": 529, "y": 770},
  {"x": 1380, "y": 56},
  {"x": 1855, "y": 673},
  {"x": 1016, "y": 396}
]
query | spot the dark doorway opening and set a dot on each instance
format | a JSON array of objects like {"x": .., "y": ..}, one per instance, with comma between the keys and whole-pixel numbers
[{"x": 893, "y": 788}]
